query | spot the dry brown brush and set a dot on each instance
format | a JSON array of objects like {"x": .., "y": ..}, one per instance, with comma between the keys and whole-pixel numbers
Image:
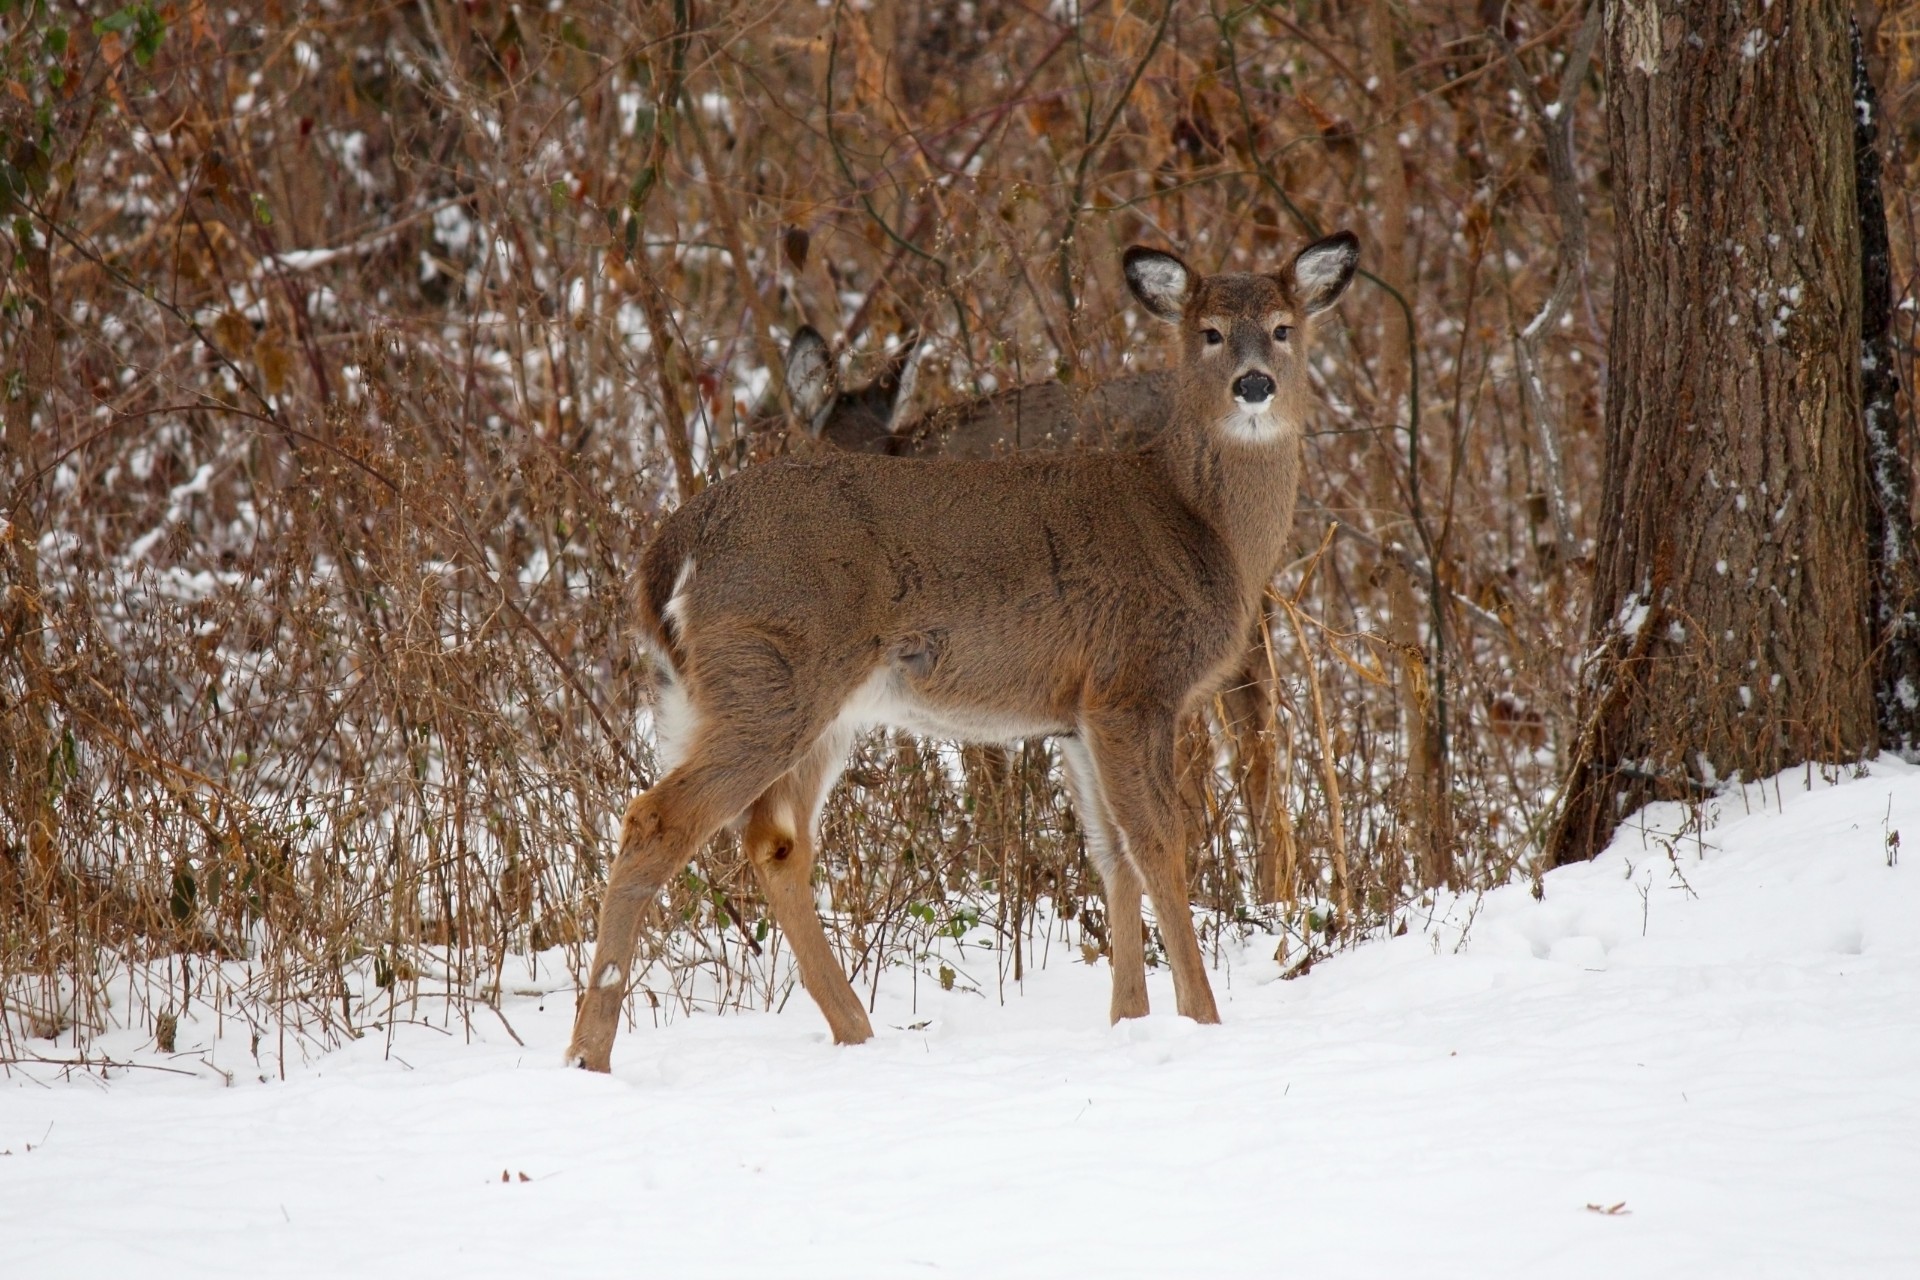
[{"x": 351, "y": 352}]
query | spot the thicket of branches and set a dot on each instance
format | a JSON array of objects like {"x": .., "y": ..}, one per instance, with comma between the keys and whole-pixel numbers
[{"x": 352, "y": 351}]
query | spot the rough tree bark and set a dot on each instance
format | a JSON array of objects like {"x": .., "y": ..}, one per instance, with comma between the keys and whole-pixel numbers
[
  {"x": 1729, "y": 631},
  {"x": 1895, "y": 608}
]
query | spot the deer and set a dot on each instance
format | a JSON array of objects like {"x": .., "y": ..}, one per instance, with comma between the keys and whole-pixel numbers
[
  {"x": 854, "y": 419},
  {"x": 1091, "y": 597},
  {"x": 1120, "y": 413},
  {"x": 1123, "y": 412}
]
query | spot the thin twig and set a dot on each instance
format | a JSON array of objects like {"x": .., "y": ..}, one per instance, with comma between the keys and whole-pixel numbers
[{"x": 1076, "y": 198}]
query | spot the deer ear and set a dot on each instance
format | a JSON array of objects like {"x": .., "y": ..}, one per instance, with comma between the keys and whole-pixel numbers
[
  {"x": 1323, "y": 270},
  {"x": 809, "y": 374},
  {"x": 902, "y": 371},
  {"x": 1161, "y": 281}
]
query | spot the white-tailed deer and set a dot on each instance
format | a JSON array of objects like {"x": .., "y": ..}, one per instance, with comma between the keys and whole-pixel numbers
[
  {"x": 1121, "y": 413},
  {"x": 857, "y": 420},
  {"x": 1090, "y": 596}
]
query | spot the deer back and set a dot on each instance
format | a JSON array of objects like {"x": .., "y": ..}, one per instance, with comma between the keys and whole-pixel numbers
[
  {"x": 1001, "y": 598},
  {"x": 1122, "y": 413}
]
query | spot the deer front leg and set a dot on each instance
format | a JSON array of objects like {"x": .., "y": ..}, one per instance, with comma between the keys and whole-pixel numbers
[
  {"x": 1126, "y": 938},
  {"x": 1134, "y": 760},
  {"x": 1119, "y": 885}
]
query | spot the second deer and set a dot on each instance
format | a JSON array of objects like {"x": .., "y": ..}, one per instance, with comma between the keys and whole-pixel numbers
[
  {"x": 1121, "y": 413},
  {"x": 1094, "y": 597}
]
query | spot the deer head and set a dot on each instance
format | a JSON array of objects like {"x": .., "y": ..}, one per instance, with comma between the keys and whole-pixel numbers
[
  {"x": 1244, "y": 336},
  {"x": 859, "y": 420}
]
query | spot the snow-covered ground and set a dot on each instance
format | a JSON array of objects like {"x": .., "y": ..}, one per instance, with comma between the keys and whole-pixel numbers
[{"x": 1699, "y": 1063}]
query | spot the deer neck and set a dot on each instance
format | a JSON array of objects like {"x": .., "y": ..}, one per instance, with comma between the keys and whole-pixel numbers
[{"x": 1242, "y": 488}]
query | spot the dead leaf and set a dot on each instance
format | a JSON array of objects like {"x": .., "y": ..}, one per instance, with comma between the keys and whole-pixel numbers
[
  {"x": 197, "y": 21},
  {"x": 1049, "y": 117},
  {"x": 270, "y": 355},
  {"x": 232, "y": 332},
  {"x": 115, "y": 53}
]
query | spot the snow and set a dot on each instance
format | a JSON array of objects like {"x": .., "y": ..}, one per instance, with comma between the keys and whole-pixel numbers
[
  {"x": 305, "y": 259},
  {"x": 176, "y": 512},
  {"x": 1632, "y": 615},
  {"x": 1694, "y": 1056}
]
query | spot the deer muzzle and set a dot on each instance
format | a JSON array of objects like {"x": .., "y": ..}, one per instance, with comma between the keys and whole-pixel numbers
[{"x": 1253, "y": 389}]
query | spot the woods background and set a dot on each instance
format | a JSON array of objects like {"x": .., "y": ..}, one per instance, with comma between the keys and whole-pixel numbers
[{"x": 352, "y": 351}]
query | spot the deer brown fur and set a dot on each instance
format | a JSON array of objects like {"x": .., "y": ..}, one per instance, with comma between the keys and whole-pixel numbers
[
  {"x": 1092, "y": 596},
  {"x": 1121, "y": 413}
]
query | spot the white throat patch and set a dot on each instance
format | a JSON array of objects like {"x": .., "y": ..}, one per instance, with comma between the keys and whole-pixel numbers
[{"x": 1251, "y": 424}]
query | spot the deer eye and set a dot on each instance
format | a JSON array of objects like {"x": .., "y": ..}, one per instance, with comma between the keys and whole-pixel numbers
[
  {"x": 1280, "y": 332},
  {"x": 1213, "y": 337}
]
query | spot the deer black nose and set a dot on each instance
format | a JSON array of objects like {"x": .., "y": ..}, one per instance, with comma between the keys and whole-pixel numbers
[{"x": 1253, "y": 388}]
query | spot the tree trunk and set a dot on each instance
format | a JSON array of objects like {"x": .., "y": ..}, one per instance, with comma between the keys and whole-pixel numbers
[
  {"x": 1895, "y": 611},
  {"x": 1730, "y": 611}
]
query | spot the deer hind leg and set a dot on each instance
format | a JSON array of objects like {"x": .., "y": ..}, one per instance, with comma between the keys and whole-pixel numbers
[
  {"x": 745, "y": 735},
  {"x": 662, "y": 831},
  {"x": 1119, "y": 883},
  {"x": 1134, "y": 762},
  {"x": 780, "y": 843}
]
